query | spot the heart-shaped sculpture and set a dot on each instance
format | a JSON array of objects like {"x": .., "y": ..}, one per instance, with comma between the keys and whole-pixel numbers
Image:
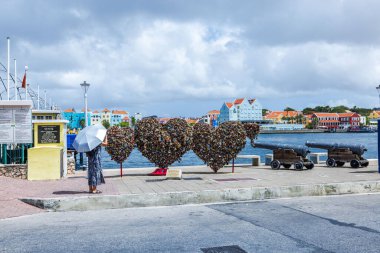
[
  {"x": 120, "y": 143},
  {"x": 202, "y": 134},
  {"x": 163, "y": 144},
  {"x": 252, "y": 130},
  {"x": 221, "y": 145}
]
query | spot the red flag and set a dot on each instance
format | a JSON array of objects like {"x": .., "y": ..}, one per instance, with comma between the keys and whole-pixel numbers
[{"x": 24, "y": 82}]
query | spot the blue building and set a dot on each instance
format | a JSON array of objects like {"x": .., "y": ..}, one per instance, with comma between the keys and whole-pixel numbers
[
  {"x": 242, "y": 110},
  {"x": 117, "y": 117},
  {"x": 75, "y": 118}
]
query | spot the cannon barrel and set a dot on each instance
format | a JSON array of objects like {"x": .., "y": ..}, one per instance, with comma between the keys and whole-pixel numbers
[
  {"x": 355, "y": 148},
  {"x": 299, "y": 149}
]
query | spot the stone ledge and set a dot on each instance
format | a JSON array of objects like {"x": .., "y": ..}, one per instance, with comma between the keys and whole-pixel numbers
[
  {"x": 14, "y": 170},
  {"x": 201, "y": 197}
]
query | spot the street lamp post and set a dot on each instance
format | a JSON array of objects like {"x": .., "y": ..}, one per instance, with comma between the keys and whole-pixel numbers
[
  {"x": 85, "y": 87},
  {"x": 378, "y": 135}
]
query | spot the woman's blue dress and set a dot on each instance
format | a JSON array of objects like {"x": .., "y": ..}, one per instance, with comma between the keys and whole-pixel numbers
[{"x": 95, "y": 174}]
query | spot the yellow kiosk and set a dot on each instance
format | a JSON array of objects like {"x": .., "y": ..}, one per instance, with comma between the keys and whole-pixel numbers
[{"x": 48, "y": 158}]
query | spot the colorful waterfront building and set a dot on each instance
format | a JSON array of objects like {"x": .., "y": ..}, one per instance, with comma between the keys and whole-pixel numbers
[
  {"x": 117, "y": 117},
  {"x": 242, "y": 109},
  {"x": 349, "y": 120},
  {"x": 106, "y": 115},
  {"x": 280, "y": 117},
  {"x": 213, "y": 118},
  {"x": 76, "y": 119},
  {"x": 96, "y": 117},
  {"x": 325, "y": 120}
]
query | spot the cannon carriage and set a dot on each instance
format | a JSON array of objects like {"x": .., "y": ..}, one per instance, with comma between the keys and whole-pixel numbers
[
  {"x": 338, "y": 154},
  {"x": 287, "y": 155}
]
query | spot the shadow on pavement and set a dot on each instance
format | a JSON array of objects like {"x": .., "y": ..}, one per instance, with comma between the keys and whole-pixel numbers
[{"x": 69, "y": 192}]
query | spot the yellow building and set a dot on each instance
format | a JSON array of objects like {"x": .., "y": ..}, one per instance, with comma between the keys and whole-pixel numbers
[
  {"x": 374, "y": 115},
  {"x": 46, "y": 114},
  {"x": 106, "y": 115}
]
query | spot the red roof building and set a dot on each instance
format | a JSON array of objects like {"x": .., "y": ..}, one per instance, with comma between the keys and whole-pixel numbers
[
  {"x": 326, "y": 120},
  {"x": 349, "y": 120}
]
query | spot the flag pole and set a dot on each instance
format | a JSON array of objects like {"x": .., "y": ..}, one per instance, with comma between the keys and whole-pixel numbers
[
  {"x": 45, "y": 99},
  {"x": 8, "y": 66},
  {"x": 26, "y": 85},
  {"x": 38, "y": 97},
  {"x": 15, "y": 79}
]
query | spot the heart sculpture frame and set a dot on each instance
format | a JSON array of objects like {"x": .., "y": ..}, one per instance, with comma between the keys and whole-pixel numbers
[
  {"x": 252, "y": 130},
  {"x": 120, "y": 144},
  {"x": 163, "y": 144},
  {"x": 217, "y": 147}
]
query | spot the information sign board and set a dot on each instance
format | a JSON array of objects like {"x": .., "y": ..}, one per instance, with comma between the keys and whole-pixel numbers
[
  {"x": 48, "y": 134},
  {"x": 15, "y": 122}
]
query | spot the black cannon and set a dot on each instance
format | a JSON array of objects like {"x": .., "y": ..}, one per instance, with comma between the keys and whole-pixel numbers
[
  {"x": 338, "y": 154},
  {"x": 287, "y": 155}
]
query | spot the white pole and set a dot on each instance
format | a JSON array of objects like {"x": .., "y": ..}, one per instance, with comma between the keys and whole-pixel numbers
[
  {"x": 15, "y": 79},
  {"x": 85, "y": 108},
  {"x": 9, "y": 65},
  {"x": 50, "y": 103},
  {"x": 38, "y": 97},
  {"x": 45, "y": 99}
]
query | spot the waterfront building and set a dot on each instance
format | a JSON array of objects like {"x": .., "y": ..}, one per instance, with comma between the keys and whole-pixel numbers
[
  {"x": 363, "y": 120},
  {"x": 76, "y": 119},
  {"x": 374, "y": 115},
  {"x": 106, "y": 115},
  {"x": 349, "y": 120},
  {"x": 325, "y": 120},
  {"x": 117, "y": 117},
  {"x": 95, "y": 117},
  {"x": 213, "y": 118},
  {"x": 280, "y": 117},
  {"x": 241, "y": 109},
  {"x": 126, "y": 119},
  {"x": 163, "y": 120},
  {"x": 191, "y": 121},
  {"x": 138, "y": 116}
]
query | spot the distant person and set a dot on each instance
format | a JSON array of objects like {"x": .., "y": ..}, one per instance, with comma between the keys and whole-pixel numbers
[{"x": 95, "y": 173}]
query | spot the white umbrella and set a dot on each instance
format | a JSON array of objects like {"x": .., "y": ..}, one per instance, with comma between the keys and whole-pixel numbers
[{"x": 89, "y": 138}]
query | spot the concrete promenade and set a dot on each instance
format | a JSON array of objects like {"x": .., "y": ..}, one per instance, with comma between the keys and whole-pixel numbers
[{"x": 199, "y": 185}]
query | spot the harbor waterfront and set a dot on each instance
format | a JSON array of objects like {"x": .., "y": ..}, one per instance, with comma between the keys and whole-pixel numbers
[{"x": 136, "y": 160}]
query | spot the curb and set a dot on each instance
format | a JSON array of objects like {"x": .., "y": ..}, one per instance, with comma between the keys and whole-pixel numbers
[{"x": 200, "y": 197}]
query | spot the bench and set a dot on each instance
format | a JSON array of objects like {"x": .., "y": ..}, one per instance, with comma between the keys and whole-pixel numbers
[
  {"x": 316, "y": 157},
  {"x": 255, "y": 159},
  {"x": 268, "y": 159}
]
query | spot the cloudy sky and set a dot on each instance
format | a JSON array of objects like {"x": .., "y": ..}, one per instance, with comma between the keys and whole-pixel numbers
[{"x": 184, "y": 58}]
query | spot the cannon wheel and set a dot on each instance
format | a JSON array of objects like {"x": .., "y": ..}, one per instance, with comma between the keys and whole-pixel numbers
[
  {"x": 287, "y": 166},
  {"x": 339, "y": 164},
  {"x": 355, "y": 164},
  {"x": 298, "y": 165},
  {"x": 309, "y": 166},
  {"x": 275, "y": 165},
  {"x": 365, "y": 164},
  {"x": 331, "y": 162}
]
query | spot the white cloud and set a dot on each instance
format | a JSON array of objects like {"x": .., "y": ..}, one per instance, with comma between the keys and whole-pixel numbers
[{"x": 142, "y": 58}]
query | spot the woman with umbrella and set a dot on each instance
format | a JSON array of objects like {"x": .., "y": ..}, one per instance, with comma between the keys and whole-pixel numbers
[{"x": 90, "y": 140}]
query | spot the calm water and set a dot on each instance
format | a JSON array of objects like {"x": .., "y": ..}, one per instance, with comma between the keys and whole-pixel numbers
[{"x": 136, "y": 160}]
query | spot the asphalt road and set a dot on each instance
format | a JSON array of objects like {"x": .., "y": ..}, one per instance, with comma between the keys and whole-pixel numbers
[{"x": 349, "y": 223}]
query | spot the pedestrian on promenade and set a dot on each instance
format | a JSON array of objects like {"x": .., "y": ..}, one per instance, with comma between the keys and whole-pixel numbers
[{"x": 95, "y": 173}]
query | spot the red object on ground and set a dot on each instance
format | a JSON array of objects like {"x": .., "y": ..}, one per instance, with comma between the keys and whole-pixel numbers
[
  {"x": 159, "y": 172},
  {"x": 121, "y": 169}
]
